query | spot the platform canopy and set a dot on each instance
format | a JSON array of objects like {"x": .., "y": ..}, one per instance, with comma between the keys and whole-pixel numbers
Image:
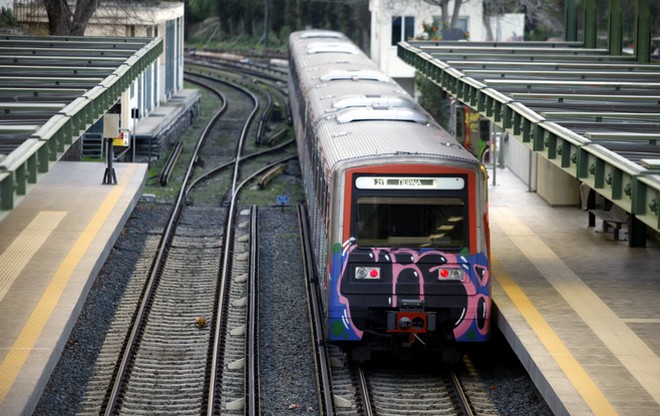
[
  {"x": 52, "y": 89},
  {"x": 590, "y": 113}
]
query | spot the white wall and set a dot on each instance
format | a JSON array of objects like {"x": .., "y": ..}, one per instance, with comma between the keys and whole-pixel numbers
[
  {"x": 509, "y": 27},
  {"x": 382, "y": 11}
]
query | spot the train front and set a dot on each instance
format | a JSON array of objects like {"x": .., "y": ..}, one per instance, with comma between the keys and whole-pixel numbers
[{"x": 411, "y": 275}]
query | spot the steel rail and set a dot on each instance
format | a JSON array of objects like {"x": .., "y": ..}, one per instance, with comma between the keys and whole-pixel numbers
[
  {"x": 170, "y": 163},
  {"x": 364, "y": 392},
  {"x": 313, "y": 293},
  {"x": 462, "y": 397},
  {"x": 127, "y": 355},
  {"x": 231, "y": 162},
  {"x": 226, "y": 260},
  {"x": 220, "y": 64},
  {"x": 253, "y": 405}
]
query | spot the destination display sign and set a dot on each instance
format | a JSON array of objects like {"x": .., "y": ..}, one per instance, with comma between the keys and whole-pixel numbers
[{"x": 451, "y": 183}]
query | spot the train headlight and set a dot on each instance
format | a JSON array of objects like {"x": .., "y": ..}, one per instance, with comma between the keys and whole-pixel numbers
[
  {"x": 450, "y": 273},
  {"x": 367, "y": 273}
]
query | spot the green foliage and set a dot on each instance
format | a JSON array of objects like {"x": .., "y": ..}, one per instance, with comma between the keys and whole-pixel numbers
[
  {"x": 243, "y": 21},
  {"x": 199, "y": 10},
  {"x": 433, "y": 99},
  {"x": 7, "y": 17},
  {"x": 543, "y": 33}
]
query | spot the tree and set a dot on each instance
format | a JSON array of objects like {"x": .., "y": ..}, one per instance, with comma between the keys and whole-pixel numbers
[
  {"x": 543, "y": 18},
  {"x": 62, "y": 21},
  {"x": 444, "y": 12}
]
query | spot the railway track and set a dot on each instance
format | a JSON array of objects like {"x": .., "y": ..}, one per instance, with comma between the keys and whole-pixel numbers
[
  {"x": 182, "y": 313},
  {"x": 393, "y": 391},
  {"x": 179, "y": 308},
  {"x": 386, "y": 389},
  {"x": 411, "y": 388}
]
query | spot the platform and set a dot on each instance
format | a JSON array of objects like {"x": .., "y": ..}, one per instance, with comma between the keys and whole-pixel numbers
[
  {"x": 578, "y": 308},
  {"x": 52, "y": 246}
]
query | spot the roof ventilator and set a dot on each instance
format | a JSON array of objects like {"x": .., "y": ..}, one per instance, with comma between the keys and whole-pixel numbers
[
  {"x": 373, "y": 100},
  {"x": 355, "y": 75},
  {"x": 352, "y": 114},
  {"x": 331, "y": 48},
  {"x": 325, "y": 34}
]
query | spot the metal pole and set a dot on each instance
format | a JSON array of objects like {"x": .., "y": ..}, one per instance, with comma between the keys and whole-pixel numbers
[
  {"x": 590, "y": 25},
  {"x": 529, "y": 171},
  {"x": 134, "y": 141},
  {"x": 109, "y": 177},
  {"x": 615, "y": 35},
  {"x": 266, "y": 18},
  {"x": 570, "y": 20},
  {"x": 493, "y": 148},
  {"x": 643, "y": 29}
]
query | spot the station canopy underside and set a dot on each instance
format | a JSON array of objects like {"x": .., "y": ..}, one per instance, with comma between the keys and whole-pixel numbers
[
  {"x": 594, "y": 115},
  {"x": 52, "y": 89}
]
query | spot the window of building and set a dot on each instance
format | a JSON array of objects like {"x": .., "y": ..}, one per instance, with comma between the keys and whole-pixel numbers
[{"x": 403, "y": 28}]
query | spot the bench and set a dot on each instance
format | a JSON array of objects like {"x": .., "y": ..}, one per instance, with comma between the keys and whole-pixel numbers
[{"x": 613, "y": 217}]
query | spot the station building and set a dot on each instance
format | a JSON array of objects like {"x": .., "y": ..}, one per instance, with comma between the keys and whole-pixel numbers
[
  {"x": 395, "y": 21},
  {"x": 163, "y": 20}
]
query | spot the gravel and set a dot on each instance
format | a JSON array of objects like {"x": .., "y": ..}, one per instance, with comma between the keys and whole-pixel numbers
[
  {"x": 286, "y": 364},
  {"x": 511, "y": 390}
]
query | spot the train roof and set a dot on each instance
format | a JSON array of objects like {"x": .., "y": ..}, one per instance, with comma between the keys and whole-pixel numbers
[
  {"x": 371, "y": 141},
  {"x": 360, "y": 114},
  {"x": 321, "y": 50},
  {"x": 332, "y": 81},
  {"x": 336, "y": 95}
]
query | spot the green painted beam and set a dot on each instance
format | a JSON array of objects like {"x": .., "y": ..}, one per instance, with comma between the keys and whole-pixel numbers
[
  {"x": 646, "y": 200},
  {"x": 6, "y": 191}
]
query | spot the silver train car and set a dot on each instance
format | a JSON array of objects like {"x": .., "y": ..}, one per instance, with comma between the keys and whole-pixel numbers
[{"x": 398, "y": 208}]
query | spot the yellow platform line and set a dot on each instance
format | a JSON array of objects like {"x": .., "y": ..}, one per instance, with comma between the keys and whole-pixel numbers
[
  {"x": 632, "y": 352},
  {"x": 21, "y": 349},
  {"x": 25, "y": 245},
  {"x": 584, "y": 385}
]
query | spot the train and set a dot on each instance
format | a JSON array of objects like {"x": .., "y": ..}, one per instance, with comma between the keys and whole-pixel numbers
[{"x": 398, "y": 209}]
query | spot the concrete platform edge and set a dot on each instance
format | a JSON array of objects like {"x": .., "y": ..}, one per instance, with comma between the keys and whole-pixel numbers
[
  {"x": 504, "y": 315},
  {"x": 57, "y": 351},
  {"x": 108, "y": 240}
]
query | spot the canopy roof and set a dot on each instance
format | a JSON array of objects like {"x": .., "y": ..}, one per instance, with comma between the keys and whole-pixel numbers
[{"x": 592, "y": 114}]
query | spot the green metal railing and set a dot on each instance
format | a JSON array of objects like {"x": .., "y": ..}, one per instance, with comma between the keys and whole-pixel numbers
[{"x": 79, "y": 108}]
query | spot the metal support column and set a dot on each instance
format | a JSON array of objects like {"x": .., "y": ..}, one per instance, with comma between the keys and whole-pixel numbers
[
  {"x": 571, "y": 20},
  {"x": 615, "y": 33},
  {"x": 643, "y": 24},
  {"x": 590, "y": 24},
  {"x": 636, "y": 233}
]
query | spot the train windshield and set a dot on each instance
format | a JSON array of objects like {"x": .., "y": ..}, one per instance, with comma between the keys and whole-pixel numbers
[{"x": 416, "y": 222}]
